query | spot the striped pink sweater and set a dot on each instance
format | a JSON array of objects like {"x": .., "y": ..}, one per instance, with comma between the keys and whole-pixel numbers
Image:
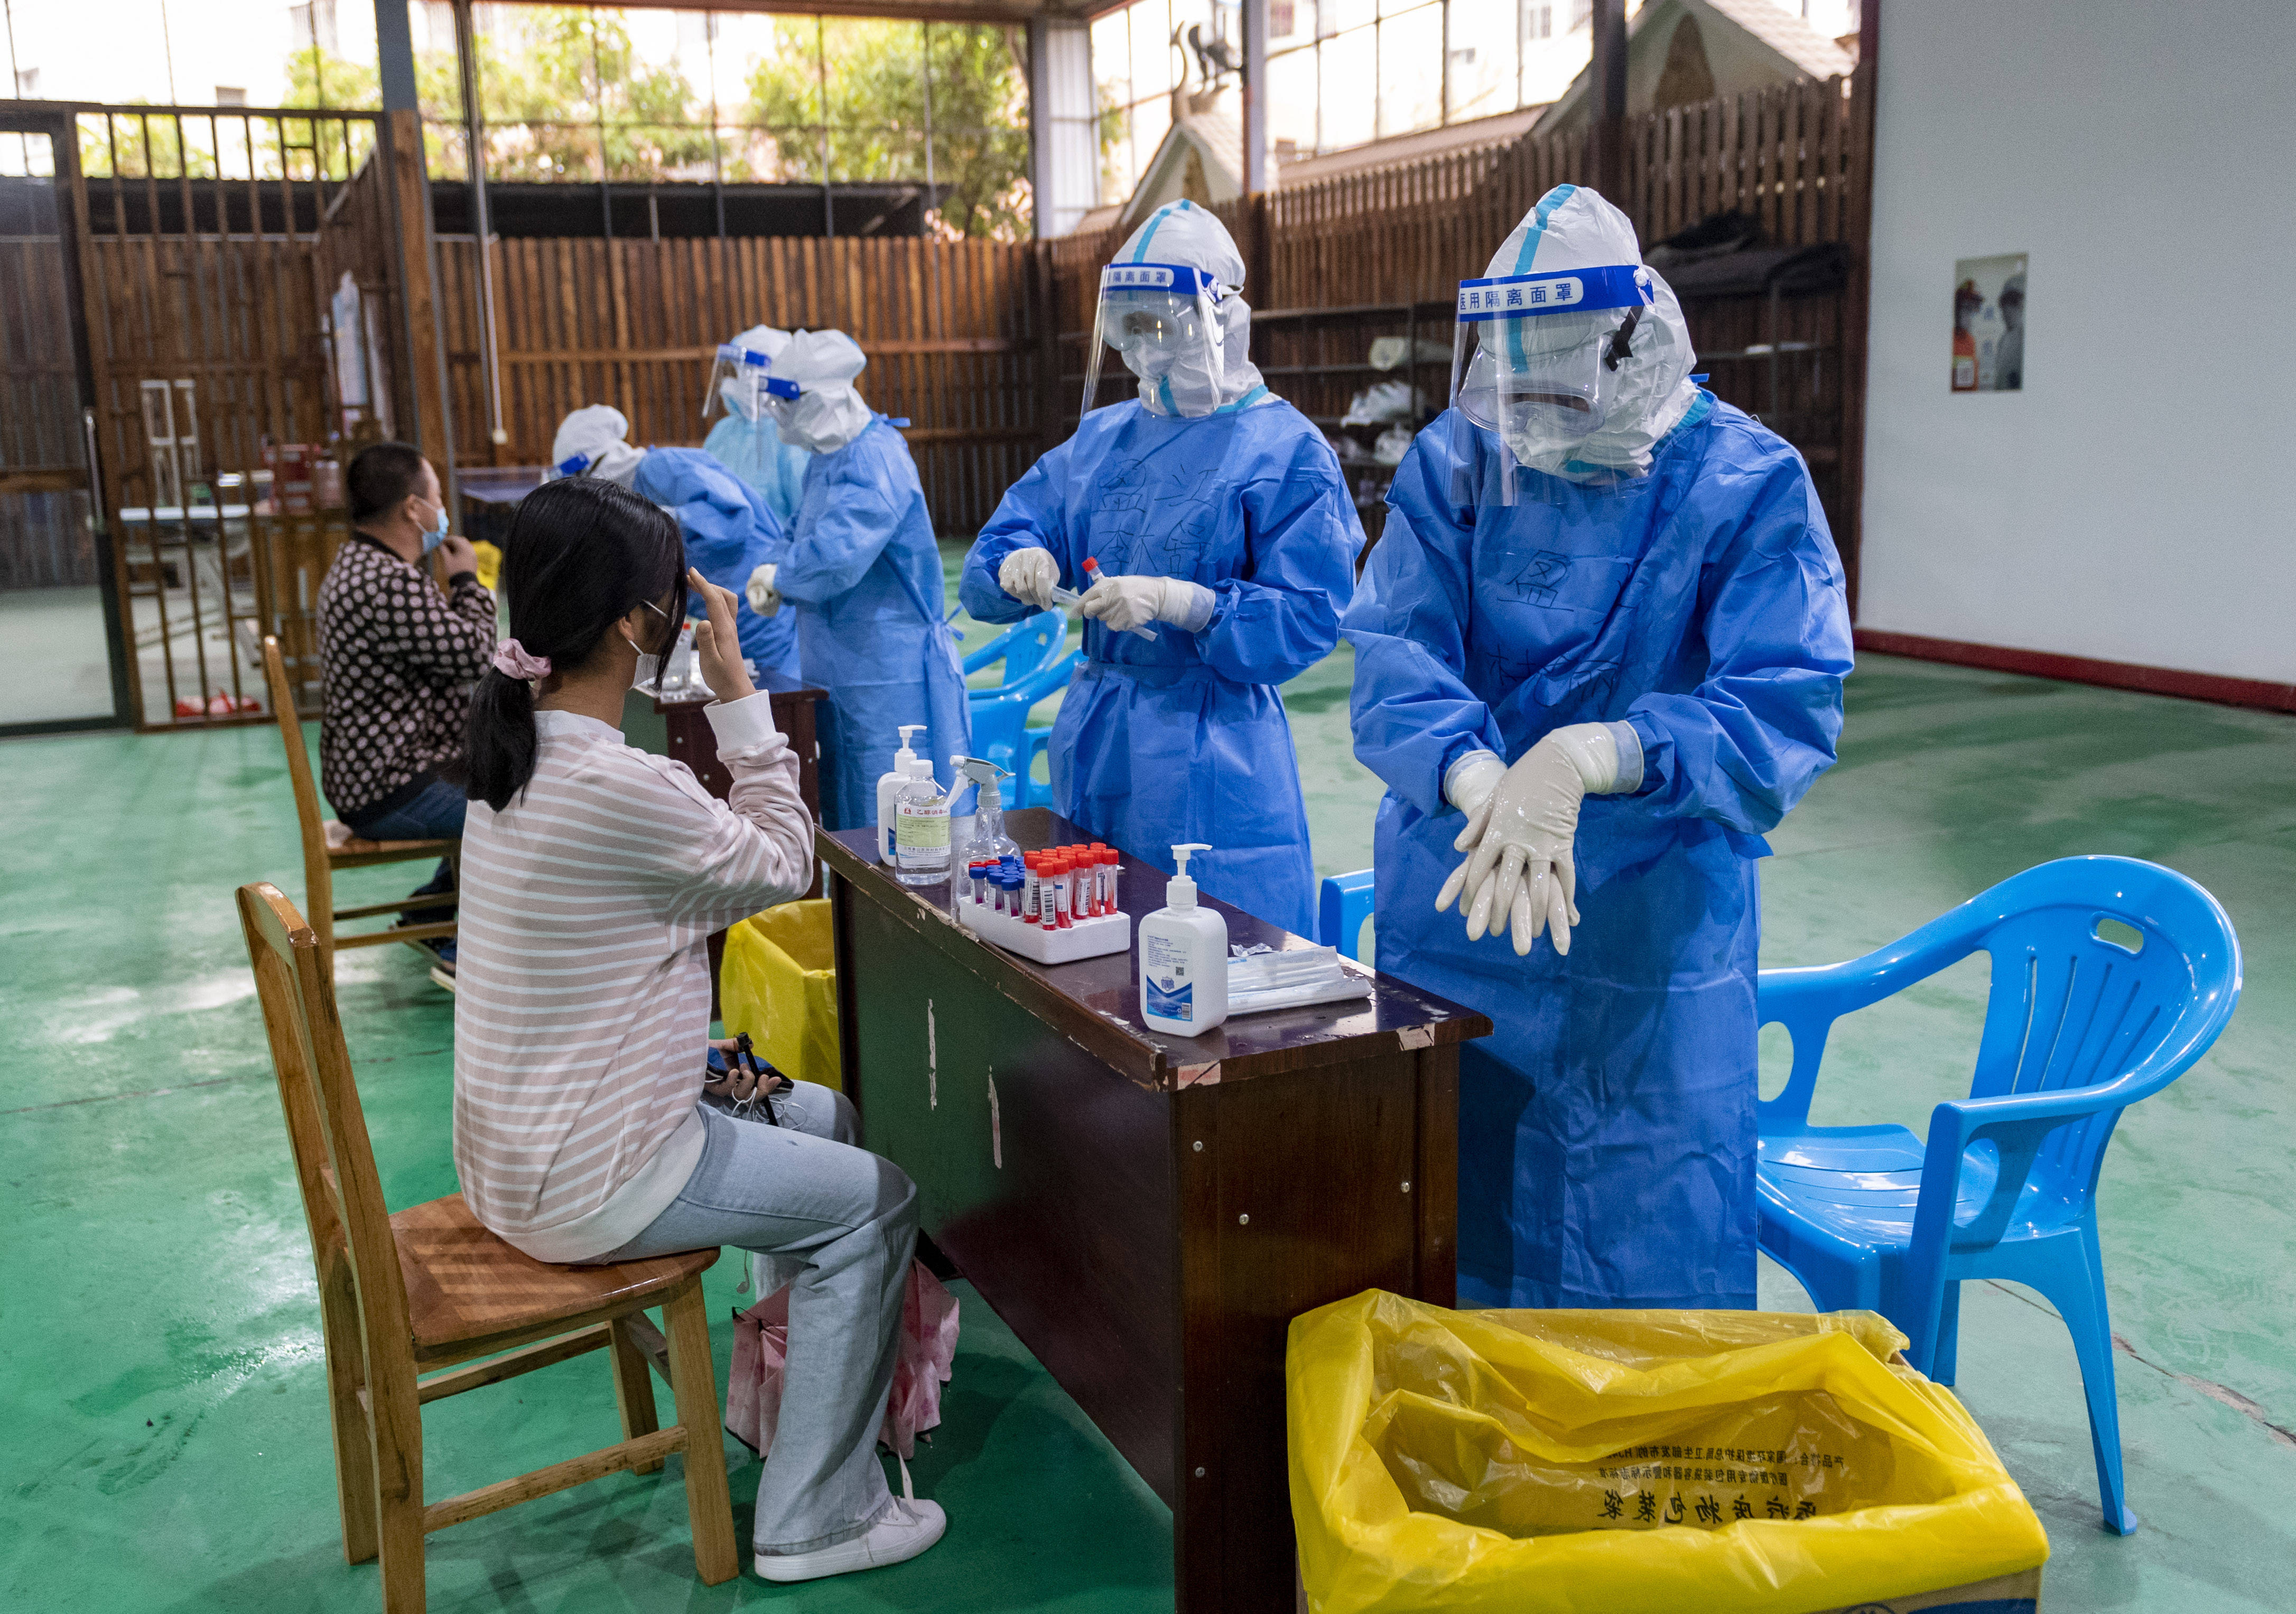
[{"x": 582, "y": 1006}]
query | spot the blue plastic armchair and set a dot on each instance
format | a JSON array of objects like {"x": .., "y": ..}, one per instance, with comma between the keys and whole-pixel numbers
[
  {"x": 1023, "y": 648},
  {"x": 1001, "y": 732},
  {"x": 2110, "y": 977}
]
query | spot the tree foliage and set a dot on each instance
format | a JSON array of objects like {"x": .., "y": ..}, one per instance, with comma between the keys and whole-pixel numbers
[
  {"x": 859, "y": 88},
  {"x": 860, "y": 93}
]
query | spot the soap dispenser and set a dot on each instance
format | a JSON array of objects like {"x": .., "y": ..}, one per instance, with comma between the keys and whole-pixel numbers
[
  {"x": 907, "y": 766},
  {"x": 1183, "y": 958}
]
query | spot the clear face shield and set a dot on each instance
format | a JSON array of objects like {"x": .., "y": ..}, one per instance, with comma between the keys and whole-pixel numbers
[
  {"x": 737, "y": 382},
  {"x": 1536, "y": 361},
  {"x": 1162, "y": 320}
]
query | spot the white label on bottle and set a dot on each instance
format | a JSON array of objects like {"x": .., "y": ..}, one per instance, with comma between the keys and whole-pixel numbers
[
  {"x": 920, "y": 837},
  {"x": 1164, "y": 968}
]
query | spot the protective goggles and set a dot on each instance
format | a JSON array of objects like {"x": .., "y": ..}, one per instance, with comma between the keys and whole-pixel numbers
[
  {"x": 573, "y": 464},
  {"x": 1152, "y": 314},
  {"x": 739, "y": 378},
  {"x": 1537, "y": 358}
]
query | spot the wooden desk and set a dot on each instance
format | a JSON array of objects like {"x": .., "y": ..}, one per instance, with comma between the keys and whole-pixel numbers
[
  {"x": 689, "y": 738},
  {"x": 1150, "y": 1212}
]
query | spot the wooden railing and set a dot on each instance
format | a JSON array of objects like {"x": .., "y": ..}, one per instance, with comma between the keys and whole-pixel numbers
[{"x": 950, "y": 329}]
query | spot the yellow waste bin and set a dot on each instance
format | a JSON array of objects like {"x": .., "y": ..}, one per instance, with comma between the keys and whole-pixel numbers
[
  {"x": 778, "y": 983},
  {"x": 1726, "y": 1463}
]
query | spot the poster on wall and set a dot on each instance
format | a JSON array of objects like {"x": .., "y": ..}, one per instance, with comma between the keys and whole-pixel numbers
[{"x": 1989, "y": 324}]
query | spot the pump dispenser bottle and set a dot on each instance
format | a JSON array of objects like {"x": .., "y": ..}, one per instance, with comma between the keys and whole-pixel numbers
[
  {"x": 1182, "y": 958},
  {"x": 907, "y": 766}
]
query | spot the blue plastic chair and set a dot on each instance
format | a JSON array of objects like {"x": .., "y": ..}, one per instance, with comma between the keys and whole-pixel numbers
[
  {"x": 2110, "y": 977},
  {"x": 1345, "y": 903},
  {"x": 1001, "y": 732},
  {"x": 1023, "y": 648}
]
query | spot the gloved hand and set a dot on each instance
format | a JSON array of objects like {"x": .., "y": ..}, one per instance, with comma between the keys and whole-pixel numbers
[
  {"x": 1521, "y": 830},
  {"x": 1129, "y": 604},
  {"x": 764, "y": 599},
  {"x": 1029, "y": 576}
]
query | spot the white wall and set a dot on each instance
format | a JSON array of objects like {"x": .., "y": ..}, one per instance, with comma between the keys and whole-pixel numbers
[{"x": 2137, "y": 502}]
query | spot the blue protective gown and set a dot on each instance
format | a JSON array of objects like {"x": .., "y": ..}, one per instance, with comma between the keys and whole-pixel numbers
[
  {"x": 728, "y": 531},
  {"x": 1606, "y": 1127},
  {"x": 1184, "y": 739},
  {"x": 865, "y": 572},
  {"x": 753, "y": 450}
]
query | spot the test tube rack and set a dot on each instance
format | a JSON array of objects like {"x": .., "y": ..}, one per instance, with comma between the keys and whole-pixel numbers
[{"x": 1084, "y": 937}]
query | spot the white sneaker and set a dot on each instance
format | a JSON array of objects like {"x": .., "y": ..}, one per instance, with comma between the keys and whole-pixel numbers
[{"x": 907, "y": 1530}]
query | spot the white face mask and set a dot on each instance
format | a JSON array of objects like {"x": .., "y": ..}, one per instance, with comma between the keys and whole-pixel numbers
[
  {"x": 821, "y": 420},
  {"x": 648, "y": 677}
]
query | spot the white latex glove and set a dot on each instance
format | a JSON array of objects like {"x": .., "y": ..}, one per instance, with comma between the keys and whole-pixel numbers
[
  {"x": 763, "y": 598},
  {"x": 1029, "y": 576},
  {"x": 1127, "y": 604},
  {"x": 1520, "y": 836}
]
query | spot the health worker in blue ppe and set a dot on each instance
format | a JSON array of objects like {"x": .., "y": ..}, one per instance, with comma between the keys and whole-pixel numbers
[
  {"x": 863, "y": 569},
  {"x": 1225, "y": 539},
  {"x": 729, "y": 529},
  {"x": 745, "y": 440},
  {"x": 1599, "y": 652}
]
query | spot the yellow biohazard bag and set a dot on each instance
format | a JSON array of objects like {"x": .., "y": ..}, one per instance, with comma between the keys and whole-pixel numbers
[
  {"x": 1728, "y": 1462},
  {"x": 778, "y": 982}
]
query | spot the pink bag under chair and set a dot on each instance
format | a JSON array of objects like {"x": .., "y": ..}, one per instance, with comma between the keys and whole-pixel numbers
[{"x": 928, "y": 1352}]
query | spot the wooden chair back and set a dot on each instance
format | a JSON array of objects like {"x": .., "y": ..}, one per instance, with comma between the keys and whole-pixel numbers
[
  {"x": 318, "y": 873},
  {"x": 326, "y": 1126}
]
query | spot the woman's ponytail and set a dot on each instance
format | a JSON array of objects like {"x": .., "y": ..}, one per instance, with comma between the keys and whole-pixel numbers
[
  {"x": 581, "y": 555},
  {"x": 501, "y": 741}
]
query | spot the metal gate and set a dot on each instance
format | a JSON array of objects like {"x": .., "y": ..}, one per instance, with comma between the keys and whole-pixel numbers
[{"x": 240, "y": 277}]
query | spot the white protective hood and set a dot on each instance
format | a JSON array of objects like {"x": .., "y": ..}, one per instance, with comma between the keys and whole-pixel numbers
[
  {"x": 828, "y": 413},
  {"x": 598, "y": 433},
  {"x": 1573, "y": 227}
]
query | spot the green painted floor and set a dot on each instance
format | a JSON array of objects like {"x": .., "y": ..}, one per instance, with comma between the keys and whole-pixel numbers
[{"x": 167, "y": 1445}]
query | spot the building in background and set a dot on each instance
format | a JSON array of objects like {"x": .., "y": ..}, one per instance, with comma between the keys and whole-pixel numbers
[
  {"x": 1683, "y": 52},
  {"x": 1400, "y": 82}
]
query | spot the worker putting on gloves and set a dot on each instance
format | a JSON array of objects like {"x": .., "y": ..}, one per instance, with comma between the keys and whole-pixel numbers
[
  {"x": 864, "y": 573},
  {"x": 745, "y": 440},
  {"x": 728, "y": 529},
  {"x": 1225, "y": 542},
  {"x": 1599, "y": 652}
]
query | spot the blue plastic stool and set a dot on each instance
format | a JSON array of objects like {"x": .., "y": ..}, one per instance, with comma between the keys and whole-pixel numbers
[
  {"x": 2110, "y": 977},
  {"x": 1345, "y": 903},
  {"x": 1001, "y": 732}
]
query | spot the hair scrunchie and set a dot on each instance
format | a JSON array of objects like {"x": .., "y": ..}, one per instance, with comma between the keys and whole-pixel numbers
[{"x": 511, "y": 661}]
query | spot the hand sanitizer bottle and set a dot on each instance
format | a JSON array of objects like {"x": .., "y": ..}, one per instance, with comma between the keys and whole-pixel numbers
[
  {"x": 905, "y": 766},
  {"x": 921, "y": 848},
  {"x": 1182, "y": 958}
]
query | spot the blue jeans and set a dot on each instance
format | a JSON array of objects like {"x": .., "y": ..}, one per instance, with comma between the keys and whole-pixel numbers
[
  {"x": 842, "y": 1226},
  {"x": 435, "y": 814}
]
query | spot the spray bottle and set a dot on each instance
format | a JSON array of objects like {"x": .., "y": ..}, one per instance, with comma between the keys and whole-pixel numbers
[
  {"x": 1182, "y": 958},
  {"x": 907, "y": 766},
  {"x": 990, "y": 843}
]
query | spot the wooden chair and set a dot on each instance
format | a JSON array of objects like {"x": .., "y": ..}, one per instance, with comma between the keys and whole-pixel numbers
[
  {"x": 328, "y": 844},
  {"x": 428, "y": 1288}
]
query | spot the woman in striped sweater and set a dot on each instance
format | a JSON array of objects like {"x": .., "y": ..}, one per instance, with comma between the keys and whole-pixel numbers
[{"x": 593, "y": 874}]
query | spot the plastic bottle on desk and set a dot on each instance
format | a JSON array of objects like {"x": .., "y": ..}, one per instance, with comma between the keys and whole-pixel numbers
[
  {"x": 1182, "y": 958},
  {"x": 920, "y": 850},
  {"x": 907, "y": 766}
]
